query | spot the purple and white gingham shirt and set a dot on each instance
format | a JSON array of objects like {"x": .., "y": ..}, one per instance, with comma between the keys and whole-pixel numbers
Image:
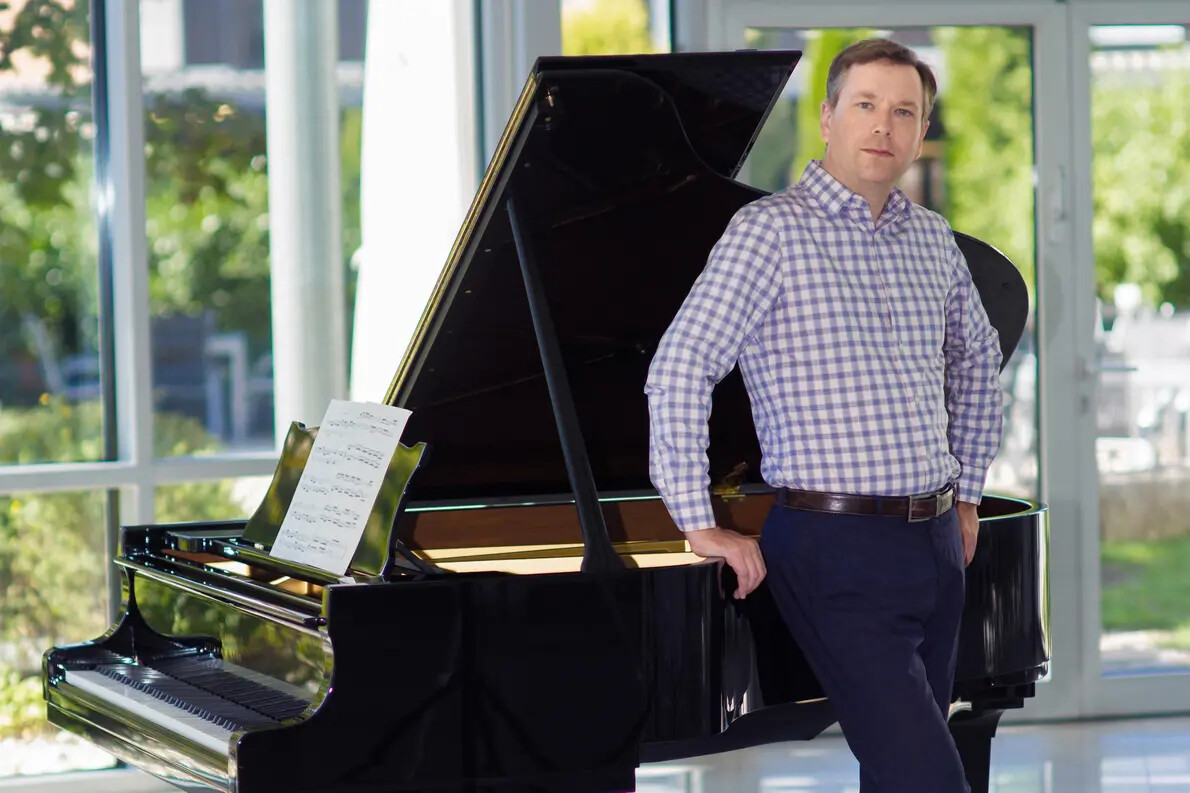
[{"x": 870, "y": 363}]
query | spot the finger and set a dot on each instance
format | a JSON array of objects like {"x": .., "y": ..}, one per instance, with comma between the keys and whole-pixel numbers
[
  {"x": 755, "y": 568},
  {"x": 735, "y": 592},
  {"x": 740, "y": 574},
  {"x": 744, "y": 569},
  {"x": 753, "y": 573},
  {"x": 739, "y": 563},
  {"x": 746, "y": 575}
]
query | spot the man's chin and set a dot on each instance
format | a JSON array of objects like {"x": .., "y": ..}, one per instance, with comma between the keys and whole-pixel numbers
[{"x": 882, "y": 174}]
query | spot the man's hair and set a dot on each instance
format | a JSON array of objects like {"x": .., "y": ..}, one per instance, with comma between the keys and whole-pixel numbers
[{"x": 871, "y": 51}]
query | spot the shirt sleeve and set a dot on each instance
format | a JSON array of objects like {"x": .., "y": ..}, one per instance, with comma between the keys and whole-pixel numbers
[
  {"x": 974, "y": 399},
  {"x": 719, "y": 318}
]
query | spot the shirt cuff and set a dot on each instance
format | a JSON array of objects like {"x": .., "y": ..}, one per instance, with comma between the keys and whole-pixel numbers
[
  {"x": 691, "y": 511},
  {"x": 971, "y": 484}
]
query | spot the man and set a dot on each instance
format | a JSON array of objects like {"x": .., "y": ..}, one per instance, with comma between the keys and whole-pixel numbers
[{"x": 873, "y": 375}]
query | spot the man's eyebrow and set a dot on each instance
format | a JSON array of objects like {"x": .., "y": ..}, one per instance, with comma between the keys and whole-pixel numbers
[{"x": 899, "y": 103}]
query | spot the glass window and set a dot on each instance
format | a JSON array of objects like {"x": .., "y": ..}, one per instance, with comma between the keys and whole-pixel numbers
[
  {"x": 207, "y": 215},
  {"x": 614, "y": 27},
  {"x": 232, "y": 31},
  {"x": 52, "y": 573},
  {"x": 49, "y": 365},
  {"x": 206, "y": 203},
  {"x": 976, "y": 169},
  {"x": 221, "y": 499},
  {"x": 1140, "y": 132}
]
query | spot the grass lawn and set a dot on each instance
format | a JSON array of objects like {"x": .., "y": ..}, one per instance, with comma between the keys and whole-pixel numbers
[{"x": 1147, "y": 587}]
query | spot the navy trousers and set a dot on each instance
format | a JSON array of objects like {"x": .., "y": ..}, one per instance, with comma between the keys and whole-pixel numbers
[{"x": 874, "y": 602}]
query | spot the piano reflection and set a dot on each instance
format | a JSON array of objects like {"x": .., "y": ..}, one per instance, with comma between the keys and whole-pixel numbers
[{"x": 531, "y": 620}]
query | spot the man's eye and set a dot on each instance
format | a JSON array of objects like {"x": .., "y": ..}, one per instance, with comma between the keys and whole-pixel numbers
[
  {"x": 906, "y": 113},
  {"x": 865, "y": 105}
]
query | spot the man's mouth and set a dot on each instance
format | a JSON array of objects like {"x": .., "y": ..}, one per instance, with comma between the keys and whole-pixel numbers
[{"x": 879, "y": 152}]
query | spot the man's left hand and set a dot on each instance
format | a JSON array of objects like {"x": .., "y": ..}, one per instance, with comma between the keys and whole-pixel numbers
[{"x": 969, "y": 526}]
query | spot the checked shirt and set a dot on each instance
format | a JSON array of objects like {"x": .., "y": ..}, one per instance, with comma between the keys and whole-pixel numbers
[{"x": 871, "y": 366}]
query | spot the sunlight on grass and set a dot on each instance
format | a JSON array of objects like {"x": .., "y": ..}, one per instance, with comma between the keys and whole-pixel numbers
[{"x": 1147, "y": 587}]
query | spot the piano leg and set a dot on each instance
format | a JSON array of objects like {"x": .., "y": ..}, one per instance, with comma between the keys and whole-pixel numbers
[{"x": 973, "y": 732}]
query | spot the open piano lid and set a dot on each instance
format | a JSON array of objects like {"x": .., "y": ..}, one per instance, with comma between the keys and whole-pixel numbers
[{"x": 622, "y": 171}]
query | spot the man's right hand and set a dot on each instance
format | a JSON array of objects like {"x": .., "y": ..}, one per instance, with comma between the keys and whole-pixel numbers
[{"x": 741, "y": 553}]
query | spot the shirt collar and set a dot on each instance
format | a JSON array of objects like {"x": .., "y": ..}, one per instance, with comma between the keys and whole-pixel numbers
[{"x": 834, "y": 197}]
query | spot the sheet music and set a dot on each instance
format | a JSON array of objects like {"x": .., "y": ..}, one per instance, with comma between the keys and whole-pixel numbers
[{"x": 338, "y": 487}]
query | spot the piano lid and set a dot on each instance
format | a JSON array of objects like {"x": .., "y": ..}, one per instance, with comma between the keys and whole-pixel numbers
[{"x": 622, "y": 168}]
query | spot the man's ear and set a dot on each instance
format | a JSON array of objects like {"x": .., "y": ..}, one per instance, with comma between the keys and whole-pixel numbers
[
  {"x": 921, "y": 141},
  {"x": 824, "y": 121}
]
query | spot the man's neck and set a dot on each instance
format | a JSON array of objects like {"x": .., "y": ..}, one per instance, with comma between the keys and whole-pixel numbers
[{"x": 876, "y": 195}]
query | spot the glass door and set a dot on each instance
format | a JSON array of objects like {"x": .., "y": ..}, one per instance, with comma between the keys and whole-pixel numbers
[{"x": 1134, "y": 96}]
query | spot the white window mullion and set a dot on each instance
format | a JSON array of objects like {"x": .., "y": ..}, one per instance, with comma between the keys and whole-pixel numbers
[
  {"x": 123, "y": 198},
  {"x": 515, "y": 33},
  {"x": 1060, "y": 326},
  {"x": 61, "y": 477},
  {"x": 180, "y": 470}
]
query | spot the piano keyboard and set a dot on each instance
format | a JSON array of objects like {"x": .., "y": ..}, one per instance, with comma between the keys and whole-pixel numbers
[{"x": 202, "y": 700}]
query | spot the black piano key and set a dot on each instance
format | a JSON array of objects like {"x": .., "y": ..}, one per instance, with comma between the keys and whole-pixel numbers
[
  {"x": 203, "y": 704},
  {"x": 210, "y": 674}
]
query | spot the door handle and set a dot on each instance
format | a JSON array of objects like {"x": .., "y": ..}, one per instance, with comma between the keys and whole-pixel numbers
[{"x": 1090, "y": 369}]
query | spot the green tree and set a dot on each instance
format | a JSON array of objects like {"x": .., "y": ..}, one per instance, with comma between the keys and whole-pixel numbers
[
  {"x": 206, "y": 201},
  {"x": 988, "y": 116},
  {"x": 606, "y": 27},
  {"x": 47, "y": 257},
  {"x": 207, "y": 212},
  {"x": 1141, "y": 143}
]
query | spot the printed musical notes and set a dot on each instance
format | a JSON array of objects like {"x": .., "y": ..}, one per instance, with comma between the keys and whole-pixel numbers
[{"x": 339, "y": 484}]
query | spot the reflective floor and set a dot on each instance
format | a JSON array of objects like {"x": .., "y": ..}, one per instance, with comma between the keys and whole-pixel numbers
[
  {"x": 1136, "y": 756},
  {"x": 1131, "y": 756}
]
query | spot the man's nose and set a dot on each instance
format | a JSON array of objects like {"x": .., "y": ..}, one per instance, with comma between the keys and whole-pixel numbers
[{"x": 883, "y": 122}]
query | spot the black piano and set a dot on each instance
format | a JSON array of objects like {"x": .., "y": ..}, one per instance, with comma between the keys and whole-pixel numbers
[{"x": 531, "y": 620}]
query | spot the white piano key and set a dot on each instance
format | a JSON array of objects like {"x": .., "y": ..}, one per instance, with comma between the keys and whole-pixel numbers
[{"x": 172, "y": 718}]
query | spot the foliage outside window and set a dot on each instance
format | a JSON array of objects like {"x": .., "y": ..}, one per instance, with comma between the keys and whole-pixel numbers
[
  {"x": 48, "y": 308},
  {"x": 1140, "y": 133},
  {"x": 605, "y": 27},
  {"x": 53, "y": 567}
]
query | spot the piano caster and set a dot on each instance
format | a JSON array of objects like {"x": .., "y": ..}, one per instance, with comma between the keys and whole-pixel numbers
[{"x": 973, "y": 732}]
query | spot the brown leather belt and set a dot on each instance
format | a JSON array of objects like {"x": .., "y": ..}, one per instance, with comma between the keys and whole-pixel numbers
[{"x": 913, "y": 508}]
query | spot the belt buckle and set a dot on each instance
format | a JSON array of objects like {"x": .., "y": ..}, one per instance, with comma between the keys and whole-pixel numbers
[{"x": 914, "y": 500}]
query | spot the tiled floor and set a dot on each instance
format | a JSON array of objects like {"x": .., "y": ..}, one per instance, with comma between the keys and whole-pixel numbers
[{"x": 1138, "y": 756}]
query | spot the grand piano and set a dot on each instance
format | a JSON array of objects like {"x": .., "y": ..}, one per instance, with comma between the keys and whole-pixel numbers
[{"x": 530, "y": 619}]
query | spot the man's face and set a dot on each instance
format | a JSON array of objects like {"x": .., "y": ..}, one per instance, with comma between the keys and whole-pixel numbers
[{"x": 875, "y": 131}]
